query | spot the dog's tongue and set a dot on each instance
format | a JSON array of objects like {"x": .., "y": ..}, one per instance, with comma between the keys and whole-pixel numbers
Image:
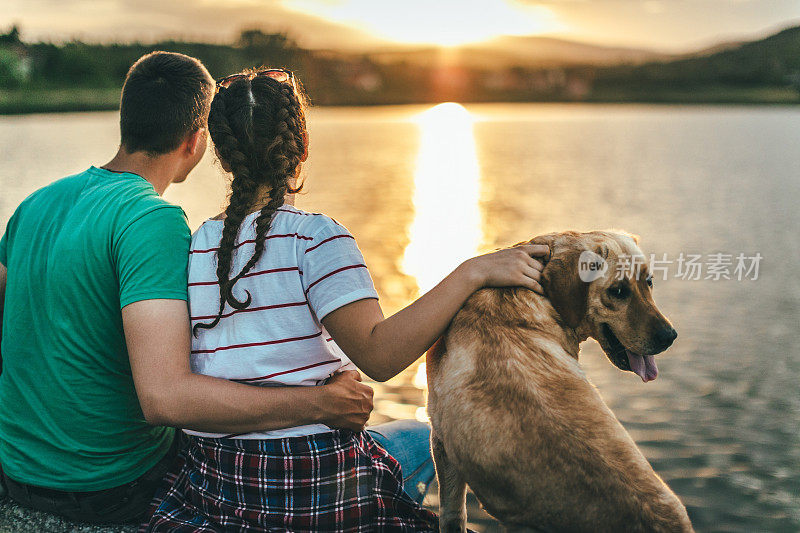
[{"x": 643, "y": 365}]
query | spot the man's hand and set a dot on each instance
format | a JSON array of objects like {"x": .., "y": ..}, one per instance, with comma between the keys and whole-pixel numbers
[{"x": 349, "y": 401}]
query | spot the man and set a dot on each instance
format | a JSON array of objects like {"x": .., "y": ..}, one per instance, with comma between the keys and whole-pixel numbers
[{"x": 95, "y": 328}]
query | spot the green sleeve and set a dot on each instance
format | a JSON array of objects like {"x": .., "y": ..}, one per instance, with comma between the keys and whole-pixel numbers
[
  {"x": 4, "y": 240},
  {"x": 4, "y": 249},
  {"x": 151, "y": 256}
]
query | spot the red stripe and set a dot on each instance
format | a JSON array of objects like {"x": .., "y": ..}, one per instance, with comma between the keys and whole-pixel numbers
[
  {"x": 296, "y": 213},
  {"x": 308, "y": 215},
  {"x": 250, "y": 309},
  {"x": 265, "y": 343},
  {"x": 250, "y": 275},
  {"x": 250, "y": 241},
  {"x": 288, "y": 371},
  {"x": 328, "y": 240},
  {"x": 332, "y": 273}
]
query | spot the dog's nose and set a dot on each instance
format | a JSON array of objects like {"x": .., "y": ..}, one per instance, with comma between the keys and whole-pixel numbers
[{"x": 666, "y": 336}]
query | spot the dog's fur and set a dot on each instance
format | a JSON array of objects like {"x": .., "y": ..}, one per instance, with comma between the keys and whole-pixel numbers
[{"x": 514, "y": 416}]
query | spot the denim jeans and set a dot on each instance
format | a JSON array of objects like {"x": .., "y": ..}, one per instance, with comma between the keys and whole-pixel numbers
[{"x": 408, "y": 441}]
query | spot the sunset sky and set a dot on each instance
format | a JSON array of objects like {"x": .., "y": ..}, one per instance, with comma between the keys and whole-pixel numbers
[{"x": 670, "y": 25}]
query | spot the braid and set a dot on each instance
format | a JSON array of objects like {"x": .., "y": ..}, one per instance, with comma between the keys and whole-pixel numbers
[
  {"x": 242, "y": 193},
  {"x": 262, "y": 228},
  {"x": 262, "y": 143},
  {"x": 286, "y": 150},
  {"x": 283, "y": 158}
]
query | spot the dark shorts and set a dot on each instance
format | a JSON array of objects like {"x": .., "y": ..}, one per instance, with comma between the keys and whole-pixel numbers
[{"x": 126, "y": 503}]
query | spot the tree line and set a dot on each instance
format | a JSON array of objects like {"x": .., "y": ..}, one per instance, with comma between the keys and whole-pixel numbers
[{"x": 756, "y": 71}]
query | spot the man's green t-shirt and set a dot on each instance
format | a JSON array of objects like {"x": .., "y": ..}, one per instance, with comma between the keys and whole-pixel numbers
[{"x": 77, "y": 252}]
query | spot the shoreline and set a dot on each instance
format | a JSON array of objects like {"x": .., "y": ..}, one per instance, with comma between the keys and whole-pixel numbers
[{"x": 34, "y": 101}]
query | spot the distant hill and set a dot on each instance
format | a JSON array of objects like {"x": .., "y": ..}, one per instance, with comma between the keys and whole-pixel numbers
[
  {"x": 548, "y": 69},
  {"x": 775, "y": 53},
  {"x": 770, "y": 62},
  {"x": 719, "y": 47},
  {"x": 508, "y": 51},
  {"x": 77, "y": 76},
  {"x": 530, "y": 51}
]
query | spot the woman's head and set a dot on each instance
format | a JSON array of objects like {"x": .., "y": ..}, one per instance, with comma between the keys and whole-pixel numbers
[
  {"x": 257, "y": 123},
  {"x": 258, "y": 126}
]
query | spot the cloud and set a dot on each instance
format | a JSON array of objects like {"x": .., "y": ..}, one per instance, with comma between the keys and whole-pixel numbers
[
  {"x": 220, "y": 20},
  {"x": 665, "y": 24},
  {"x": 654, "y": 6},
  {"x": 671, "y": 25}
]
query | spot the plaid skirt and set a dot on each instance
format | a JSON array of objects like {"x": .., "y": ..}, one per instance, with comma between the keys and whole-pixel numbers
[{"x": 339, "y": 481}]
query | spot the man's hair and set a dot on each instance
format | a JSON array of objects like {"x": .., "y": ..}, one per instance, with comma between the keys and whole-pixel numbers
[{"x": 166, "y": 96}]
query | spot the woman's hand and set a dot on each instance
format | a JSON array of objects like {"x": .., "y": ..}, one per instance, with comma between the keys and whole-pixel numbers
[
  {"x": 509, "y": 267},
  {"x": 347, "y": 403}
]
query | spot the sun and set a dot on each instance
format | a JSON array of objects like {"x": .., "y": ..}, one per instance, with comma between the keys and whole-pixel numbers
[{"x": 437, "y": 22}]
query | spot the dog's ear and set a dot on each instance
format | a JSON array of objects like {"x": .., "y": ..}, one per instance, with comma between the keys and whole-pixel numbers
[
  {"x": 563, "y": 286},
  {"x": 548, "y": 240}
]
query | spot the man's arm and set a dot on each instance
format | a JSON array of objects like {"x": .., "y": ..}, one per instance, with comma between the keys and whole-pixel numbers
[{"x": 158, "y": 336}]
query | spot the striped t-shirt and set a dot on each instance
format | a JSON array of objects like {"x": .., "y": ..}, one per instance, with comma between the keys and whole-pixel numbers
[{"x": 310, "y": 266}]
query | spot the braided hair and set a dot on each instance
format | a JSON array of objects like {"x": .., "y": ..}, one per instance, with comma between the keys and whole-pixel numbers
[{"x": 258, "y": 127}]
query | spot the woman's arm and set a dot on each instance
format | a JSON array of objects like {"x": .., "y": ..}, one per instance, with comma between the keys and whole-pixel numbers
[
  {"x": 383, "y": 347},
  {"x": 158, "y": 336}
]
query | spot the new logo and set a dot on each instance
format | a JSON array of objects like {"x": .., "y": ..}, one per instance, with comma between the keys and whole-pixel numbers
[{"x": 591, "y": 266}]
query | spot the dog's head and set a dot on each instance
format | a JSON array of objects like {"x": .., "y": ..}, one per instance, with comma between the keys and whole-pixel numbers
[{"x": 600, "y": 285}]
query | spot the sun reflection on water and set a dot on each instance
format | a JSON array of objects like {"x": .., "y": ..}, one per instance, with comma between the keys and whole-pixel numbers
[
  {"x": 420, "y": 381},
  {"x": 446, "y": 228},
  {"x": 447, "y": 220}
]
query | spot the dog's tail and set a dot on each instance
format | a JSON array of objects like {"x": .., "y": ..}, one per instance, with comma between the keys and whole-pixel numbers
[{"x": 433, "y": 357}]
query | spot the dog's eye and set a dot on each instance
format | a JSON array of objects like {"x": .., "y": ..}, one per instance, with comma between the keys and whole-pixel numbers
[
  {"x": 619, "y": 292},
  {"x": 649, "y": 281}
]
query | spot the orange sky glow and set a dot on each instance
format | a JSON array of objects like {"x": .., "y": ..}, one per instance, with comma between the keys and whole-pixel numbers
[
  {"x": 442, "y": 22},
  {"x": 668, "y": 25}
]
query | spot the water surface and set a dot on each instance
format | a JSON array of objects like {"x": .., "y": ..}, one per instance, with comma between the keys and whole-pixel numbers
[{"x": 423, "y": 188}]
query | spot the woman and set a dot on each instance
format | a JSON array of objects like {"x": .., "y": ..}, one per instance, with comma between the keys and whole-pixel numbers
[{"x": 282, "y": 296}]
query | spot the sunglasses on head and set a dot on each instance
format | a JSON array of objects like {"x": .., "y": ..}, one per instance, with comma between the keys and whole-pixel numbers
[{"x": 278, "y": 74}]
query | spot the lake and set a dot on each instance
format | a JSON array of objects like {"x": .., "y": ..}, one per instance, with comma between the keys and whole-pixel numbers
[{"x": 422, "y": 188}]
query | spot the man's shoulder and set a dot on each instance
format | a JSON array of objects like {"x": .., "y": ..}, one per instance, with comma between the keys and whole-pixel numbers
[
  {"x": 53, "y": 199},
  {"x": 59, "y": 189},
  {"x": 111, "y": 202},
  {"x": 156, "y": 217},
  {"x": 130, "y": 199},
  {"x": 88, "y": 186},
  {"x": 144, "y": 204}
]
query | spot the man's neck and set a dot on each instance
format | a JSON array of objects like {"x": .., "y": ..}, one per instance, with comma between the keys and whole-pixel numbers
[{"x": 160, "y": 171}]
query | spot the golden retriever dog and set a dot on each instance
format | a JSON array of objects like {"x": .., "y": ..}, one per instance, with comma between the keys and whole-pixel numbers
[{"x": 516, "y": 419}]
